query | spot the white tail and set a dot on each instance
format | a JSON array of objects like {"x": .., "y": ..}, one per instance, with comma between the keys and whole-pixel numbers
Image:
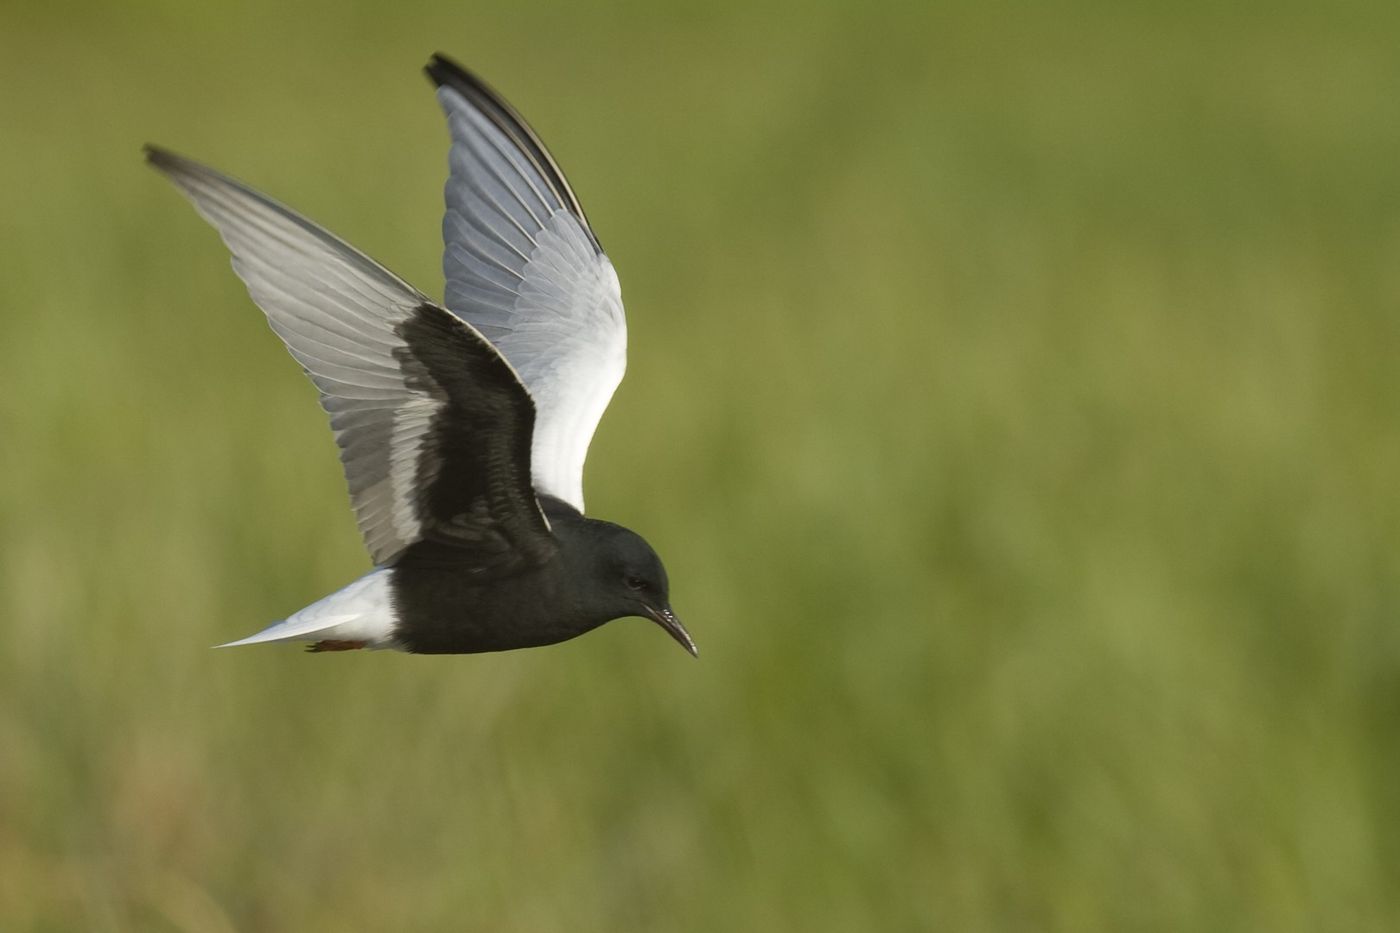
[{"x": 361, "y": 611}]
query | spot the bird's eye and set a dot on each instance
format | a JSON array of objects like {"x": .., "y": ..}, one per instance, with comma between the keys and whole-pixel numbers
[{"x": 636, "y": 583}]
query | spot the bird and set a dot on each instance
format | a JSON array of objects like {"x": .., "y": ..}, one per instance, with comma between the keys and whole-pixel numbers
[{"x": 463, "y": 425}]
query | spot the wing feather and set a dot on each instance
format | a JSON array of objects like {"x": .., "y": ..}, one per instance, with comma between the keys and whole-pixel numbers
[
  {"x": 524, "y": 268},
  {"x": 434, "y": 427}
]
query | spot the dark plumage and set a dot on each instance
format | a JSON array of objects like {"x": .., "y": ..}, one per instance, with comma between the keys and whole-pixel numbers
[
  {"x": 599, "y": 572},
  {"x": 462, "y": 426}
]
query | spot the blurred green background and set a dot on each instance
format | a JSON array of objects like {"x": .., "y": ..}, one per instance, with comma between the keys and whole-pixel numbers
[{"x": 1013, "y": 397}]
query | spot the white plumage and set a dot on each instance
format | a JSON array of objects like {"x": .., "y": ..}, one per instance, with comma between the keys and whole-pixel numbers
[
  {"x": 524, "y": 271},
  {"x": 360, "y": 612}
]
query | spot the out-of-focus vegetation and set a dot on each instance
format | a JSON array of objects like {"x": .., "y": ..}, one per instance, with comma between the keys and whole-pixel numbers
[{"x": 1013, "y": 395}]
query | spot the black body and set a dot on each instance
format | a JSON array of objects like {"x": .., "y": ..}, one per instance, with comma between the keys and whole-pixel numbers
[
  {"x": 599, "y": 571},
  {"x": 499, "y": 566}
]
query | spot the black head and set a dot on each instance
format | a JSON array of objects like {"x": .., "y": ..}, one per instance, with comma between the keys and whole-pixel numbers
[{"x": 626, "y": 578}]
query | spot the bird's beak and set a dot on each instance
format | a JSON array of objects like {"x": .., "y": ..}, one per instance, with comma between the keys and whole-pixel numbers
[{"x": 665, "y": 618}]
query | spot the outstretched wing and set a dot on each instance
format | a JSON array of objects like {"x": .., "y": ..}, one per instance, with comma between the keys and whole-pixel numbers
[
  {"x": 433, "y": 425},
  {"x": 524, "y": 268}
]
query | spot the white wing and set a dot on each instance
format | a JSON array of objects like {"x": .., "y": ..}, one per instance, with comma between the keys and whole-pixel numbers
[
  {"x": 400, "y": 402},
  {"x": 523, "y": 268}
]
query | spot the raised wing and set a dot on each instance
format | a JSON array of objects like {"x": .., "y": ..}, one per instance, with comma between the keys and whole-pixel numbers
[
  {"x": 434, "y": 427},
  {"x": 524, "y": 268}
]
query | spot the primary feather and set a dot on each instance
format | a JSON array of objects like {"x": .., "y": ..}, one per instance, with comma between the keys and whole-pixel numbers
[{"x": 524, "y": 268}]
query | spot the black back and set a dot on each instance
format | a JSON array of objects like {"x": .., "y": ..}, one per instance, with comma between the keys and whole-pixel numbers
[{"x": 475, "y": 498}]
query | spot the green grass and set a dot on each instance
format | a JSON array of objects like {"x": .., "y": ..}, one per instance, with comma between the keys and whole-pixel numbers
[{"x": 1013, "y": 396}]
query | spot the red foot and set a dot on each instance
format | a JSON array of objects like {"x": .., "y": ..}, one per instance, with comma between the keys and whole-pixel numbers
[{"x": 332, "y": 645}]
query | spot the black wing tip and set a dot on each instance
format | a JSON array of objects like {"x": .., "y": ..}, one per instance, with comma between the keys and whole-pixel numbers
[
  {"x": 444, "y": 72},
  {"x": 440, "y": 69},
  {"x": 167, "y": 162},
  {"x": 158, "y": 156}
]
